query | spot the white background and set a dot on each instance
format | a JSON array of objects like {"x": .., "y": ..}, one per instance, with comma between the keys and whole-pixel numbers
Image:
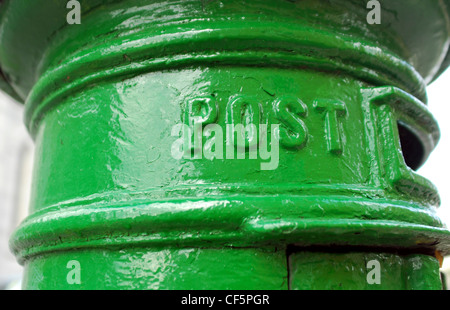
[{"x": 437, "y": 168}]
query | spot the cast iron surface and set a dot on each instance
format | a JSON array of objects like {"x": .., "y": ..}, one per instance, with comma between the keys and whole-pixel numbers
[{"x": 102, "y": 99}]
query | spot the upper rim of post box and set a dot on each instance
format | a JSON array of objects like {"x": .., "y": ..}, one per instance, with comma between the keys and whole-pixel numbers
[{"x": 423, "y": 26}]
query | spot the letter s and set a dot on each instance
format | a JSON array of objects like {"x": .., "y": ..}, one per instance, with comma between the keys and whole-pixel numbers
[{"x": 293, "y": 132}]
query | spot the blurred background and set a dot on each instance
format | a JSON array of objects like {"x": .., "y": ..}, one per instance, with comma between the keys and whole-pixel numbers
[{"x": 16, "y": 161}]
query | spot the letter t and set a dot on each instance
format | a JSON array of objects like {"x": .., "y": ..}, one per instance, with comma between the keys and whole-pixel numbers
[{"x": 333, "y": 110}]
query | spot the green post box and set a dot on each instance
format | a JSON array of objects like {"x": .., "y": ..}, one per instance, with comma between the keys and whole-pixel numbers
[{"x": 234, "y": 144}]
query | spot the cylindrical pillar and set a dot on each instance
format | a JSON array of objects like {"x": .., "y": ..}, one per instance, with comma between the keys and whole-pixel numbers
[{"x": 143, "y": 180}]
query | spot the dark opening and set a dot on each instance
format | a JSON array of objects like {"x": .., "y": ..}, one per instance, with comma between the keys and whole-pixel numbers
[{"x": 412, "y": 148}]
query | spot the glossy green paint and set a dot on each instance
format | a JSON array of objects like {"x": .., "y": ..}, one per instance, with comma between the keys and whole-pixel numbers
[
  {"x": 352, "y": 271},
  {"x": 160, "y": 268},
  {"x": 102, "y": 100}
]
